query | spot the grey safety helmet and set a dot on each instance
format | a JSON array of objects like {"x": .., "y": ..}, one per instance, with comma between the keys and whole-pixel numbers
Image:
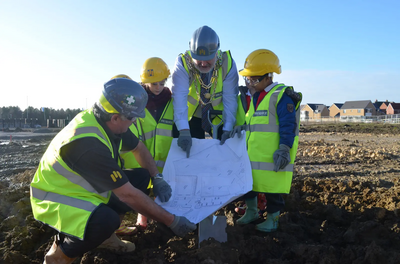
[
  {"x": 123, "y": 96},
  {"x": 204, "y": 44}
]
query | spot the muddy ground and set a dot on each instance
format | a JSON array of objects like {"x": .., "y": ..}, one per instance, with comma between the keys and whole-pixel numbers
[{"x": 344, "y": 207}]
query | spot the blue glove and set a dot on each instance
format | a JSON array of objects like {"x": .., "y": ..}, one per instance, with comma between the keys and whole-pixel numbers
[
  {"x": 181, "y": 226},
  {"x": 161, "y": 188},
  {"x": 237, "y": 130},
  {"x": 225, "y": 135},
  {"x": 185, "y": 141},
  {"x": 281, "y": 157}
]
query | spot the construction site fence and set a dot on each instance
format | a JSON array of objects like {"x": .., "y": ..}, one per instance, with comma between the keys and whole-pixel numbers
[
  {"x": 32, "y": 123},
  {"x": 388, "y": 119},
  {"x": 60, "y": 123}
]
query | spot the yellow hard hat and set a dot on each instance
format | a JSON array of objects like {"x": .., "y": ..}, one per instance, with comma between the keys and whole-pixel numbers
[
  {"x": 154, "y": 70},
  {"x": 261, "y": 62},
  {"x": 121, "y": 76}
]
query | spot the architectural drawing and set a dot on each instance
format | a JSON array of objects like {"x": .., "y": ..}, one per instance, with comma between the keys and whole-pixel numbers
[{"x": 211, "y": 177}]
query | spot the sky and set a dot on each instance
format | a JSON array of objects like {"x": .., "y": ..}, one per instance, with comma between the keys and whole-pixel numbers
[{"x": 58, "y": 54}]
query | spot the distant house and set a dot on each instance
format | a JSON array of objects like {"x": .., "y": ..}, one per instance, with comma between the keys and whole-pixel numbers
[
  {"x": 357, "y": 108},
  {"x": 393, "y": 108},
  {"x": 313, "y": 111},
  {"x": 382, "y": 106},
  {"x": 334, "y": 109},
  {"x": 377, "y": 105}
]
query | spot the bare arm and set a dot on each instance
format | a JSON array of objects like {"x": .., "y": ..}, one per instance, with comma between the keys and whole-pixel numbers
[
  {"x": 144, "y": 158},
  {"x": 143, "y": 204}
]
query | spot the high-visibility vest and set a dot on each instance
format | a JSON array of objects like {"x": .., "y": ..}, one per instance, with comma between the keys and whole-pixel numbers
[
  {"x": 241, "y": 110},
  {"x": 157, "y": 135},
  {"x": 130, "y": 161},
  {"x": 193, "y": 98},
  {"x": 262, "y": 137},
  {"x": 60, "y": 197}
]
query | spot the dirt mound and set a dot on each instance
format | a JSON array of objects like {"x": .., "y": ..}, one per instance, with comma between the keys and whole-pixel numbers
[{"x": 344, "y": 207}]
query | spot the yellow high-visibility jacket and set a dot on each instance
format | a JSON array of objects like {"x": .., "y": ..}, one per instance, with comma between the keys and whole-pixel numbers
[
  {"x": 262, "y": 137},
  {"x": 129, "y": 159},
  {"x": 60, "y": 197},
  {"x": 157, "y": 134}
]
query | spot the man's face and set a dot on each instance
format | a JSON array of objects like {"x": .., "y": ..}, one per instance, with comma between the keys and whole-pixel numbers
[
  {"x": 123, "y": 124},
  {"x": 205, "y": 66}
]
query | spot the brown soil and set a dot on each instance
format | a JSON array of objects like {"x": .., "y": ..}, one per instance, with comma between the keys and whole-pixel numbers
[{"x": 344, "y": 207}]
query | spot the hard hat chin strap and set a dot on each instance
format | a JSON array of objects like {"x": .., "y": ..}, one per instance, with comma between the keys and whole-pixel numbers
[{"x": 271, "y": 75}]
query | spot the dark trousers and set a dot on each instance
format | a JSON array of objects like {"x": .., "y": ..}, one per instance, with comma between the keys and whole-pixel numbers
[
  {"x": 105, "y": 219},
  {"x": 198, "y": 132},
  {"x": 275, "y": 201},
  {"x": 175, "y": 132}
]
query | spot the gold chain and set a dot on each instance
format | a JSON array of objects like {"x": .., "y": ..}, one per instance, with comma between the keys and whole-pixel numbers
[
  {"x": 212, "y": 94},
  {"x": 196, "y": 73}
]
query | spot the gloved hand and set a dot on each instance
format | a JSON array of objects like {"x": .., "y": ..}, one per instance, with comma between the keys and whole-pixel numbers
[
  {"x": 281, "y": 157},
  {"x": 237, "y": 130},
  {"x": 161, "y": 188},
  {"x": 181, "y": 226},
  {"x": 225, "y": 135},
  {"x": 185, "y": 141}
]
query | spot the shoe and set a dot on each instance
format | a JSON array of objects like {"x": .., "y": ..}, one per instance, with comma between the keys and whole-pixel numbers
[
  {"x": 251, "y": 213},
  {"x": 124, "y": 230},
  {"x": 270, "y": 224},
  {"x": 56, "y": 255},
  {"x": 115, "y": 244}
]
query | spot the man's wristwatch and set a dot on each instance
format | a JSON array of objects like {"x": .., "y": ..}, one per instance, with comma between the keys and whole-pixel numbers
[{"x": 158, "y": 176}]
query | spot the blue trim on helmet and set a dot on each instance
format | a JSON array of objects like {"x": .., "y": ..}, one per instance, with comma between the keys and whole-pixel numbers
[{"x": 203, "y": 58}]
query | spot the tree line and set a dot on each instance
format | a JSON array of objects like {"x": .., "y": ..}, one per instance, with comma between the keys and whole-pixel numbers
[{"x": 41, "y": 115}]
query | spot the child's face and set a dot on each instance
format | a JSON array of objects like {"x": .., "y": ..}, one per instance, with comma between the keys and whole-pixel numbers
[{"x": 156, "y": 88}]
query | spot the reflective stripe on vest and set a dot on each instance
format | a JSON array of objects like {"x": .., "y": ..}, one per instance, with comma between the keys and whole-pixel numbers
[
  {"x": 267, "y": 166},
  {"x": 153, "y": 133},
  {"x": 262, "y": 136},
  {"x": 87, "y": 130},
  {"x": 60, "y": 197},
  {"x": 75, "y": 178},
  {"x": 263, "y": 128}
]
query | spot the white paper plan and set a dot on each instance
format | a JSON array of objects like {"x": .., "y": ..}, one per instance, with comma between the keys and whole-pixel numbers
[{"x": 210, "y": 178}]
